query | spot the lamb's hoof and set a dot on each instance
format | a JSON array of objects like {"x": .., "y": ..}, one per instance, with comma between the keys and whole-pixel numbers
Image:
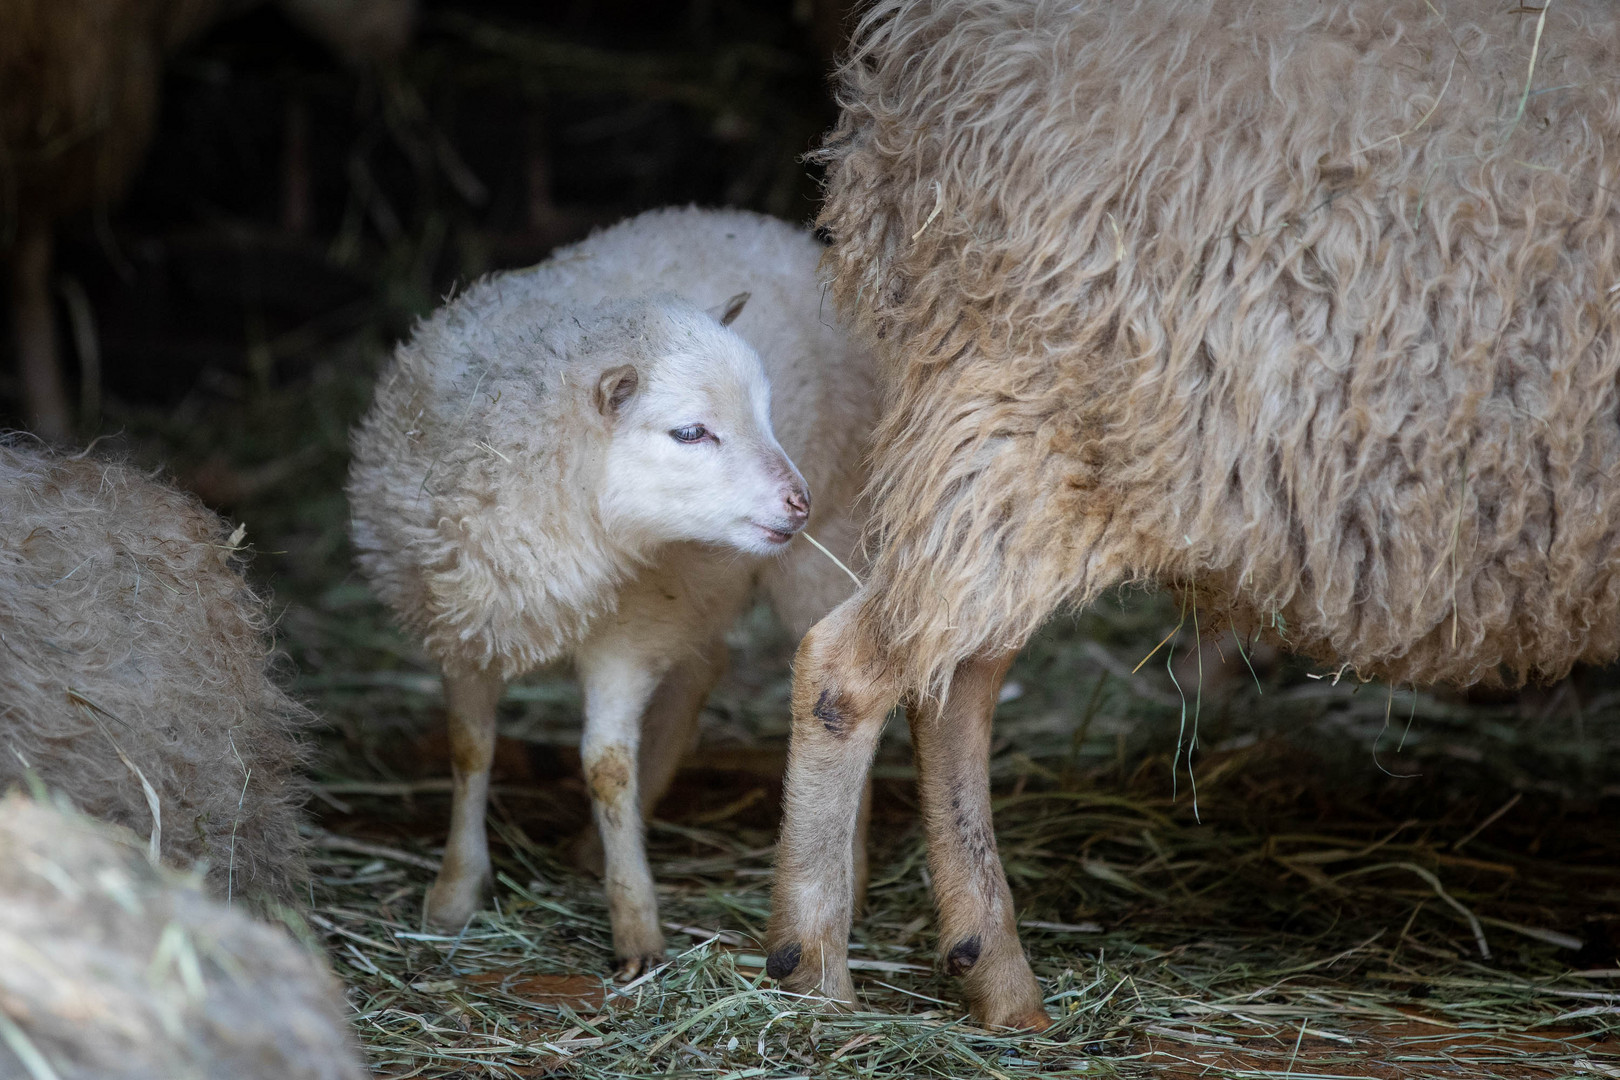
[
  {"x": 1026, "y": 1022},
  {"x": 630, "y": 968},
  {"x": 449, "y": 906}
]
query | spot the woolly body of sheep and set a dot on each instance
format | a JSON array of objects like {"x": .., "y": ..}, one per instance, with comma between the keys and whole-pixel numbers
[
  {"x": 474, "y": 479},
  {"x": 132, "y": 652},
  {"x": 1305, "y": 308},
  {"x": 112, "y": 968}
]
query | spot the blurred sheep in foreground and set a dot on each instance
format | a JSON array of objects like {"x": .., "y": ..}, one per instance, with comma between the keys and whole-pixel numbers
[
  {"x": 113, "y": 968},
  {"x": 135, "y": 670}
]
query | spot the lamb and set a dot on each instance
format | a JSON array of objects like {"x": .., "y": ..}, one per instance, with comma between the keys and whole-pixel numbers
[
  {"x": 79, "y": 82},
  {"x": 1306, "y": 310},
  {"x": 578, "y": 460},
  {"x": 115, "y": 968},
  {"x": 136, "y": 671}
]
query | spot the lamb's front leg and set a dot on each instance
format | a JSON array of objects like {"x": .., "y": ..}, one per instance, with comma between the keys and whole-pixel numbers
[
  {"x": 840, "y": 700},
  {"x": 470, "y": 701},
  {"x": 978, "y": 935},
  {"x": 618, "y": 680}
]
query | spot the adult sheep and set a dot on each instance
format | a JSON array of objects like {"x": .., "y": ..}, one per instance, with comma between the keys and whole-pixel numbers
[
  {"x": 113, "y": 968},
  {"x": 1305, "y": 309},
  {"x": 136, "y": 671}
]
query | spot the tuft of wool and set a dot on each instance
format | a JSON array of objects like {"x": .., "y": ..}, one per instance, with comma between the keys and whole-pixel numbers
[
  {"x": 113, "y": 968},
  {"x": 1307, "y": 309},
  {"x": 134, "y": 655}
]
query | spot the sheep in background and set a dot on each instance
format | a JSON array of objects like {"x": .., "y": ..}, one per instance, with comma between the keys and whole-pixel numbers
[
  {"x": 579, "y": 460},
  {"x": 1304, "y": 309},
  {"x": 79, "y": 82},
  {"x": 113, "y": 968},
  {"x": 135, "y": 670}
]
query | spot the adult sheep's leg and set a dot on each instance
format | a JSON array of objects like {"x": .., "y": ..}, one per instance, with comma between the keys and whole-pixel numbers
[
  {"x": 803, "y": 586},
  {"x": 977, "y": 933},
  {"x": 459, "y": 889},
  {"x": 34, "y": 327},
  {"x": 840, "y": 700}
]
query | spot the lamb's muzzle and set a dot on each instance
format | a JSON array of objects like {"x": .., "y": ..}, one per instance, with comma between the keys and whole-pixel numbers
[{"x": 795, "y": 496}]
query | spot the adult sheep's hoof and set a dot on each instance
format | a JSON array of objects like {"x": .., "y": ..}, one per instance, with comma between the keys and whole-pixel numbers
[
  {"x": 1001, "y": 990},
  {"x": 451, "y": 904},
  {"x": 799, "y": 974}
]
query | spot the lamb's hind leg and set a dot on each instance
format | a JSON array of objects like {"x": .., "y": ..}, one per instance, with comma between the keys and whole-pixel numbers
[
  {"x": 670, "y": 727},
  {"x": 978, "y": 935},
  {"x": 459, "y": 890},
  {"x": 840, "y": 700}
]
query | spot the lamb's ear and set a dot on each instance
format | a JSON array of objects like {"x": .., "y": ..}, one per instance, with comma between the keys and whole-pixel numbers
[
  {"x": 727, "y": 312},
  {"x": 614, "y": 388}
]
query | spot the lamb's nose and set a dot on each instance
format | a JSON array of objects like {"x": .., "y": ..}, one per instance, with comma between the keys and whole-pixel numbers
[{"x": 796, "y": 502}]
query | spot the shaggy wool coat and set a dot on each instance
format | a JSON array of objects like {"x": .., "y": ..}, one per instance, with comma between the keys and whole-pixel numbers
[
  {"x": 1306, "y": 308},
  {"x": 136, "y": 667}
]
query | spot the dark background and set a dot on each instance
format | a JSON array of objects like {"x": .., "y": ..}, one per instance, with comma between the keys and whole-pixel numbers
[{"x": 288, "y": 200}]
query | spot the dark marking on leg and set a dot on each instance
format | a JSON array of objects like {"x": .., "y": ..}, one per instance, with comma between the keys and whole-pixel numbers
[
  {"x": 781, "y": 963},
  {"x": 961, "y": 959},
  {"x": 832, "y": 711}
]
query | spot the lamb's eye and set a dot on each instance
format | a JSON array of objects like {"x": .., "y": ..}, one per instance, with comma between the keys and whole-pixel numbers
[{"x": 691, "y": 433}]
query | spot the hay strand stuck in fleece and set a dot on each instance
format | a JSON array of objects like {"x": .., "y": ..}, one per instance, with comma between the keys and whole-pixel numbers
[
  {"x": 113, "y": 968},
  {"x": 1284, "y": 304},
  {"x": 136, "y": 670}
]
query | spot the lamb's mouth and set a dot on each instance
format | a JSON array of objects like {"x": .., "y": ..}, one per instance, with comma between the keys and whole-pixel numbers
[{"x": 774, "y": 535}]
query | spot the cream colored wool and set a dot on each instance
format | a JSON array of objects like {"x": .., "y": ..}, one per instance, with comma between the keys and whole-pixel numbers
[
  {"x": 1307, "y": 308},
  {"x": 476, "y": 478},
  {"x": 112, "y": 968},
  {"x": 128, "y": 632},
  {"x": 521, "y": 495}
]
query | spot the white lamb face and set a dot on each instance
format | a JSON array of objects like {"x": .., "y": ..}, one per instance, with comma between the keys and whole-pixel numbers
[{"x": 692, "y": 455}]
